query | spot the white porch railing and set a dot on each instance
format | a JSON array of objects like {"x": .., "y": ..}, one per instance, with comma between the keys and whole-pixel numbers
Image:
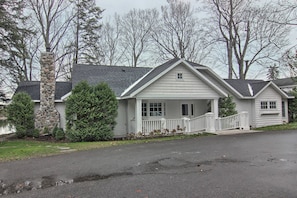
[
  {"x": 205, "y": 122},
  {"x": 237, "y": 121},
  {"x": 163, "y": 126},
  {"x": 198, "y": 124}
]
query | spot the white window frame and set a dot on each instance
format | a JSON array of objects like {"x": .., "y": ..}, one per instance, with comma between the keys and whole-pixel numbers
[
  {"x": 268, "y": 105},
  {"x": 179, "y": 76},
  {"x": 153, "y": 109},
  {"x": 189, "y": 108}
]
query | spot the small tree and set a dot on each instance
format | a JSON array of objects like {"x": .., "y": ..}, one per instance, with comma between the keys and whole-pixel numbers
[
  {"x": 21, "y": 114},
  {"x": 227, "y": 106},
  {"x": 91, "y": 113}
]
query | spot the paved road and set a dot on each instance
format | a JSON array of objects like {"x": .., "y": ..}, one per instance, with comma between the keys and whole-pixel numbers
[{"x": 246, "y": 165}]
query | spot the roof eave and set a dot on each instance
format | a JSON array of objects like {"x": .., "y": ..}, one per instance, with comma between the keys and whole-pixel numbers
[{"x": 275, "y": 87}]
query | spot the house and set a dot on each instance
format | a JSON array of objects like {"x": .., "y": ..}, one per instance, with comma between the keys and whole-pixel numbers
[
  {"x": 286, "y": 84},
  {"x": 175, "y": 96}
]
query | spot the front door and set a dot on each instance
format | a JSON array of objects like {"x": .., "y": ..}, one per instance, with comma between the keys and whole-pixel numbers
[{"x": 187, "y": 109}]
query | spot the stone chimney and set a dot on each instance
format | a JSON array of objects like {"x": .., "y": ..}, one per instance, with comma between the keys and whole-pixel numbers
[{"x": 47, "y": 117}]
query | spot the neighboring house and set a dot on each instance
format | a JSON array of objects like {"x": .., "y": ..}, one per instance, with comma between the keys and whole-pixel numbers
[
  {"x": 286, "y": 84},
  {"x": 176, "y": 95}
]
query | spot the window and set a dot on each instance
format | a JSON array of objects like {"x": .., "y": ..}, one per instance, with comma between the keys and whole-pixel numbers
[
  {"x": 187, "y": 109},
  {"x": 264, "y": 105},
  {"x": 272, "y": 105},
  {"x": 144, "y": 109},
  {"x": 156, "y": 109},
  {"x": 283, "y": 109},
  {"x": 179, "y": 76},
  {"x": 268, "y": 104}
]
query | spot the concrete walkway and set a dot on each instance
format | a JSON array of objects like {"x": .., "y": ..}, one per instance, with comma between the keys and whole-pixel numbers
[{"x": 236, "y": 131}]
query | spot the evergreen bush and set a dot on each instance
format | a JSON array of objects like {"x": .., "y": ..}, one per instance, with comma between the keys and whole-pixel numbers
[
  {"x": 227, "y": 107},
  {"x": 21, "y": 114},
  {"x": 91, "y": 113},
  {"x": 58, "y": 133}
]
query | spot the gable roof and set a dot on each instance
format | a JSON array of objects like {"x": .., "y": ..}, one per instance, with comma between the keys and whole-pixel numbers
[
  {"x": 252, "y": 88},
  {"x": 118, "y": 78},
  {"x": 159, "y": 71},
  {"x": 242, "y": 86},
  {"x": 286, "y": 81},
  {"x": 33, "y": 89}
]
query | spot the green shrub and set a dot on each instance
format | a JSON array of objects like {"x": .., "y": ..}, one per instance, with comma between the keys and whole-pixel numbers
[
  {"x": 91, "y": 113},
  {"x": 227, "y": 107},
  {"x": 21, "y": 114},
  {"x": 33, "y": 133},
  {"x": 58, "y": 133}
]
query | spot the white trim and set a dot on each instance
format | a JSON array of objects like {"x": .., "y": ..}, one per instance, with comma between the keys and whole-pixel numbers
[
  {"x": 203, "y": 78},
  {"x": 66, "y": 96},
  {"x": 275, "y": 87},
  {"x": 206, "y": 80},
  {"x": 224, "y": 82},
  {"x": 134, "y": 84},
  {"x": 56, "y": 101}
]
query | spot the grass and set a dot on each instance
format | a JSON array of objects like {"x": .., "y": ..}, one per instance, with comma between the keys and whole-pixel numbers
[
  {"x": 24, "y": 149},
  {"x": 289, "y": 126}
]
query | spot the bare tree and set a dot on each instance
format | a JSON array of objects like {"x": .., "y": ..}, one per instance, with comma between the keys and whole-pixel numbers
[
  {"x": 178, "y": 33},
  {"x": 249, "y": 37},
  {"x": 110, "y": 41},
  {"x": 286, "y": 12},
  {"x": 137, "y": 26}
]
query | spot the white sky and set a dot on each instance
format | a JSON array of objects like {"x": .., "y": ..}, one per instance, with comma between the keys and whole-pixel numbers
[{"x": 124, "y": 6}]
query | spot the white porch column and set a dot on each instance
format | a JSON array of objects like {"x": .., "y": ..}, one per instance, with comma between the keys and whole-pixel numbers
[
  {"x": 215, "y": 107},
  {"x": 138, "y": 116}
]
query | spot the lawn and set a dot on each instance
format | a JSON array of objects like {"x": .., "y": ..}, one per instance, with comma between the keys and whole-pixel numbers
[
  {"x": 24, "y": 149},
  {"x": 289, "y": 126}
]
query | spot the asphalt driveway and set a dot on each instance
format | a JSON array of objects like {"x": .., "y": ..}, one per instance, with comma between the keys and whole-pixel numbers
[{"x": 243, "y": 165}]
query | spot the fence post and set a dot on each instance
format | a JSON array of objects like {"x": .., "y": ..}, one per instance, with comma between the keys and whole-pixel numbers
[
  {"x": 219, "y": 124},
  {"x": 210, "y": 122},
  {"x": 163, "y": 124},
  {"x": 244, "y": 121},
  {"x": 186, "y": 124}
]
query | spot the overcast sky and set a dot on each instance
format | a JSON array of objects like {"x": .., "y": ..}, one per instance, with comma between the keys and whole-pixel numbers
[{"x": 123, "y": 6}]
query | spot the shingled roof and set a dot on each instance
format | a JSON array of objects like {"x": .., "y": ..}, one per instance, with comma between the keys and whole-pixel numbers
[
  {"x": 118, "y": 78},
  {"x": 285, "y": 81},
  {"x": 33, "y": 89},
  {"x": 242, "y": 86}
]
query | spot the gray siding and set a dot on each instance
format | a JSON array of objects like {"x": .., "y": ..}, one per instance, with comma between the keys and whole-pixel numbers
[
  {"x": 120, "y": 129},
  {"x": 168, "y": 86},
  {"x": 268, "y": 116}
]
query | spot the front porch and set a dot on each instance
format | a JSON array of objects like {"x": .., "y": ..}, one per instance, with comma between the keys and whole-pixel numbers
[
  {"x": 170, "y": 115},
  {"x": 173, "y": 116}
]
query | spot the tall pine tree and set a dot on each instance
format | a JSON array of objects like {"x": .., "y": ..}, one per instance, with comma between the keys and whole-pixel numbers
[{"x": 87, "y": 32}]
